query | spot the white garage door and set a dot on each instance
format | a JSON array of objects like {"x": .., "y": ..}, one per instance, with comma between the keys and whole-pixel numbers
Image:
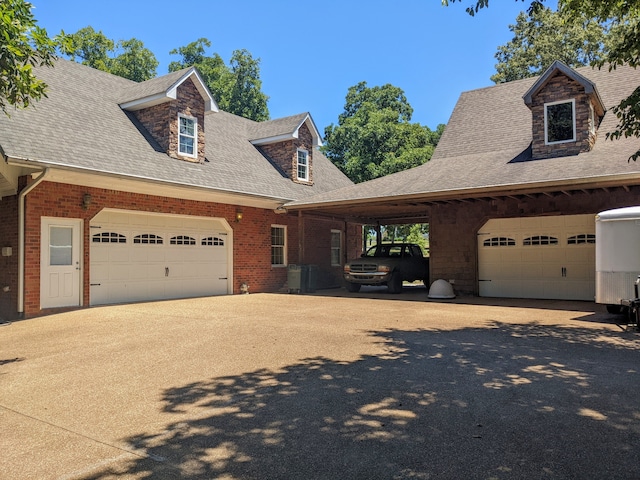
[
  {"x": 136, "y": 257},
  {"x": 538, "y": 257}
]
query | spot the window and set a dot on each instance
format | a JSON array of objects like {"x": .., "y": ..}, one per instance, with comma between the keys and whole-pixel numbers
[
  {"x": 109, "y": 237},
  {"x": 559, "y": 122},
  {"x": 499, "y": 242},
  {"x": 148, "y": 238},
  {"x": 336, "y": 248},
  {"x": 278, "y": 245},
  {"x": 303, "y": 165},
  {"x": 187, "y": 136},
  {"x": 581, "y": 239},
  {"x": 540, "y": 240},
  {"x": 212, "y": 241},
  {"x": 182, "y": 240}
]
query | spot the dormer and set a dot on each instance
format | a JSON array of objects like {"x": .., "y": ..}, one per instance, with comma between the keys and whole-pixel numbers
[
  {"x": 172, "y": 109},
  {"x": 566, "y": 111},
  {"x": 290, "y": 144}
]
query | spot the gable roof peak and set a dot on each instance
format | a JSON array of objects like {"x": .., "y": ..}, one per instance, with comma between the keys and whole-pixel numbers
[
  {"x": 164, "y": 89},
  {"x": 559, "y": 67},
  {"x": 281, "y": 129}
]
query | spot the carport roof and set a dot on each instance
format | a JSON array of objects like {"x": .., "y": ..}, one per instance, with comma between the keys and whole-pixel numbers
[{"x": 484, "y": 153}]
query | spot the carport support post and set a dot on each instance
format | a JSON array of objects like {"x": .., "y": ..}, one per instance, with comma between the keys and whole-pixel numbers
[{"x": 378, "y": 234}]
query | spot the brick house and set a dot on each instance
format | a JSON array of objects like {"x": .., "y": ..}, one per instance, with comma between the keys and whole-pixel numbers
[
  {"x": 514, "y": 185},
  {"x": 115, "y": 191}
]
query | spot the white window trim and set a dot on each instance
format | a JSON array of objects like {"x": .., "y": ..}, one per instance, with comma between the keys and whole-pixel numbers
[
  {"x": 573, "y": 117},
  {"x": 195, "y": 136},
  {"x": 284, "y": 254},
  {"x": 339, "y": 232},
  {"x": 306, "y": 154}
]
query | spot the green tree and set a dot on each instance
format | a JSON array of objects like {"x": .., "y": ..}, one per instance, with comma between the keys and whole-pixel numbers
[
  {"x": 237, "y": 88},
  {"x": 375, "y": 137},
  {"x": 542, "y": 36},
  {"x": 23, "y": 45},
  {"x": 135, "y": 62},
  {"x": 96, "y": 50},
  {"x": 623, "y": 48}
]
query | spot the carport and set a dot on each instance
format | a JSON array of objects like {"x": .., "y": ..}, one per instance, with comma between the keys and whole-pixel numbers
[{"x": 457, "y": 218}]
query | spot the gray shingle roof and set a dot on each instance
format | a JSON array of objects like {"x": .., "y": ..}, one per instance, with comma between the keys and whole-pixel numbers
[
  {"x": 151, "y": 87},
  {"x": 488, "y": 131},
  {"x": 80, "y": 126}
]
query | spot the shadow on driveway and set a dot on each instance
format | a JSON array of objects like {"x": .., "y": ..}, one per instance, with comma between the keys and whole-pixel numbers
[{"x": 504, "y": 402}]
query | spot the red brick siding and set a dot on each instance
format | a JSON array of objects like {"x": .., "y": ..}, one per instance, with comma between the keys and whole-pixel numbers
[
  {"x": 453, "y": 228},
  {"x": 251, "y": 236},
  {"x": 561, "y": 88},
  {"x": 285, "y": 154},
  {"x": 9, "y": 265},
  {"x": 161, "y": 121}
]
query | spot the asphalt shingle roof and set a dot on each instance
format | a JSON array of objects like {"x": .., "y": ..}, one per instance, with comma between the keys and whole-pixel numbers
[
  {"x": 81, "y": 126},
  {"x": 488, "y": 131}
]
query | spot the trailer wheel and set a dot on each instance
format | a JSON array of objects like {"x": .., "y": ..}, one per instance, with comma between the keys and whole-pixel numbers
[{"x": 615, "y": 309}]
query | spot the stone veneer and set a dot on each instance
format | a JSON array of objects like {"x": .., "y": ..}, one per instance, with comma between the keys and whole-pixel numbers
[
  {"x": 559, "y": 88},
  {"x": 161, "y": 121},
  {"x": 285, "y": 154}
]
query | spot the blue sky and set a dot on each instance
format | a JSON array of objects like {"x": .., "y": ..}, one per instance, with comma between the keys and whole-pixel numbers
[{"x": 312, "y": 52}]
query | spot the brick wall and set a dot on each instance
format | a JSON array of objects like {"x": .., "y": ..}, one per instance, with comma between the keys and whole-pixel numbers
[
  {"x": 161, "y": 121},
  {"x": 251, "y": 236},
  {"x": 9, "y": 265},
  {"x": 453, "y": 227},
  {"x": 561, "y": 88},
  {"x": 285, "y": 154}
]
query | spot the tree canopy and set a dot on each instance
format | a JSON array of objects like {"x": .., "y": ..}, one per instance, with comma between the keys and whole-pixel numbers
[
  {"x": 125, "y": 58},
  {"x": 23, "y": 45},
  {"x": 237, "y": 88},
  {"x": 542, "y": 36},
  {"x": 623, "y": 19},
  {"x": 375, "y": 137}
]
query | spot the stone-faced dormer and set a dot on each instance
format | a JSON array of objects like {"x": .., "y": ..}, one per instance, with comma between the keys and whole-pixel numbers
[
  {"x": 289, "y": 143},
  {"x": 172, "y": 109},
  {"x": 566, "y": 111}
]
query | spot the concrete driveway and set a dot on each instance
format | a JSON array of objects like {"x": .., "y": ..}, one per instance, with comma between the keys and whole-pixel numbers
[{"x": 270, "y": 386}]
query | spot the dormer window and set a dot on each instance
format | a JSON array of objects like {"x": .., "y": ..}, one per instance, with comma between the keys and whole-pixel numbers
[
  {"x": 303, "y": 165},
  {"x": 560, "y": 122},
  {"x": 187, "y": 136}
]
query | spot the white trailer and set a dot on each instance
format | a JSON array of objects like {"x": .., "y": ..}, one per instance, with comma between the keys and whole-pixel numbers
[{"x": 617, "y": 257}]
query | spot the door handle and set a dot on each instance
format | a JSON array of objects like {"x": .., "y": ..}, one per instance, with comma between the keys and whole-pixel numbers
[{"x": 166, "y": 271}]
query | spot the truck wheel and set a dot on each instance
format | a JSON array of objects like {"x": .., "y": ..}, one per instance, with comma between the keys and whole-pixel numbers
[
  {"x": 395, "y": 284},
  {"x": 352, "y": 287}
]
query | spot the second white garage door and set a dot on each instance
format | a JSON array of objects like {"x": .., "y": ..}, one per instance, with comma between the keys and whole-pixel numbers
[
  {"x": 137, "y": 257},
  {"x": 538, "y": 257}
]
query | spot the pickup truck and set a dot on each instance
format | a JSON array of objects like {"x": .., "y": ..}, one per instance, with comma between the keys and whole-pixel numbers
[{"x": 387, "y": 264}]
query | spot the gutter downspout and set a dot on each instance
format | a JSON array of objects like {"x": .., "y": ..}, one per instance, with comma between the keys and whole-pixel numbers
[{"x": 21, "y": 242}]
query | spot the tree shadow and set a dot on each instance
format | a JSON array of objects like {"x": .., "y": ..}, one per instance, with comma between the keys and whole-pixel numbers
[{"x": 503, "y": 401}]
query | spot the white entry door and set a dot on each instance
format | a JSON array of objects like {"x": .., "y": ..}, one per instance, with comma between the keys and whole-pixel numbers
[{"x": 60, "y": 268}]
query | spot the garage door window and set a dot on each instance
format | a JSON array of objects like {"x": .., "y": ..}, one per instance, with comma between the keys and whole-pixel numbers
[
  {"x": 108, "y": 237},
  {"x": 540, "y": 240},
  {"x": 582, "y": 239},
  {"x": 212, "y": 241},
  {"x": 499, "y": 242},
  {"x": 148, "y": 239},
  {"x": 182, "y": 240}
]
